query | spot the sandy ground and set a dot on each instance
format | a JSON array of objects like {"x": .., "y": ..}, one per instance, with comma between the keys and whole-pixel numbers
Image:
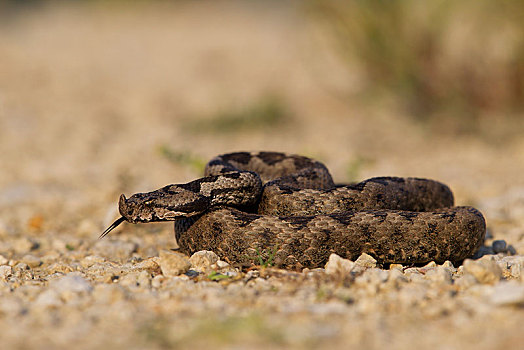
[{"x": 89, "y": 98}]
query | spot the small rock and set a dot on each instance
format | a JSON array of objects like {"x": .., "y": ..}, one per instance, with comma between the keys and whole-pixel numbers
[
  {"x": 364, "y": 262},
  {"x": 465, "y": 281},
  {"x": 173, "y": 263},
  {"x": 338, "y": 266},
  {"x": 5, "y": 272},
  {"x": 60, "y": 267},
  {"x": 70, "y": 285},
  {"x": 499, "y": 246},
  {"x": 514, "y": 265},
  {"x": 396, "y": 267},
  {"x": 508, "y": 293},
  {"x": 50, "y": 258},
  {"x": 396, "y": 276},
  {"x": 484, "y": 250},
  {"x": 222, "y": 264},
  {"x": 23, "y": 271},
  {"x": 114, "y": 249},
  {"x": 157, "y": 281},
  {"x": 144, "y": 279},
  {"x": 202, "y": 260},
  {"x": 430, "y": 264},
  {"x": 485, "y": 271},
  {"x": 441, "y": 275},
  {"x": 448, "y": 264},
  {"x": 31, "y": 260},
  {"x": 91, "y": 260},
  {"x": 3, "y": 260},
  {"x": 48, "y": 298},
  {"x": 151, "y": 265},
  {"x": 24, "y": 245}
]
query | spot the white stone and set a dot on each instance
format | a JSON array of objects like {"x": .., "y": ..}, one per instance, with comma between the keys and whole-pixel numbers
[
  {"x": 439, "y": 275},
  {"x": 173, "y": 263},
  {"x": 396, "y": 276},
  {"x": 157, "y": 281},
  {"x": 48, "y": 298},
  {"x": 31, "y": 260},
  {"x": 222, "y": 264},
  {"x": 364, "y": 262},
  {"x": 202, "y": 260},
  {"x": 3, "y": 260},
  {"x": 91, "y": 260},
  {"x": 485, "y": 271},
  {"x": 71, "y": 283},
  {"x": 508, "y": 293},
  {"x": 338, "y": 266}
]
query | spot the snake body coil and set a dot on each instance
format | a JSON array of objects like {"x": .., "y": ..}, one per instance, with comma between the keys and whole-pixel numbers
[{"x": 253, "y": 207}]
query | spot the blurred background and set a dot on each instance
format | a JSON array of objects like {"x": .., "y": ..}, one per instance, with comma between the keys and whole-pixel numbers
[{"x": 99, "y": 98}]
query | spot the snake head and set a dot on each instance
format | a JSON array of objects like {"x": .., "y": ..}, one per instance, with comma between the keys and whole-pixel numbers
[{"x": 166, "y": 204}]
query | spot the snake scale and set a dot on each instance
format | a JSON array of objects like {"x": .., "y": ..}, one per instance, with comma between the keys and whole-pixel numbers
[{"x": 268, "y": 205}]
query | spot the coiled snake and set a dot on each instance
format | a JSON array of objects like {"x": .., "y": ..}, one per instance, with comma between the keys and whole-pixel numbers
[{"x": 286, "y": 208}]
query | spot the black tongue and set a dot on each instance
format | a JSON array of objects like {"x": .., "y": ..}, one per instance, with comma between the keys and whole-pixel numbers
[{"x": 113, "y": 226}]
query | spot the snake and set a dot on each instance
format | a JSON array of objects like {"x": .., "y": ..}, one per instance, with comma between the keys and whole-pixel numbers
[{"x": 285, "y": 210}]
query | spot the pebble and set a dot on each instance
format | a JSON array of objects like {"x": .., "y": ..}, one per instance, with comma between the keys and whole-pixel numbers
[
  {"x": 514, "y": 265},
  {"x": 222, "y": 264},
  {"x": 173, "y": 263},
  {"x": 484, "y": 250},
  {"x": 31, "y": 260},
  {"x": 465, "y": 281},
  {"x": 70, "y": 285},
  {"x": 48, "y": 299},
  {"x": 144, "y": 279},
  {"x": 485, "y": 271},
  {"x": 114, "y": 249},
  {"x": 157, "y": 281},
  {"x": 508, "y": 293},
  {"x": 396, "y": 267},
  {"x": 5, "y": 272},
  {"x": 441, "y": 275},
  {"x": 396, "y": 277},
  {"x": 203, "y": 260},
  {"x": 499, "y": 246},
  {"x": 365, "y": 262},
  {"x": 3, "y": 260},
  {"x": 24, "y": 245},
  {"x": 91, "y": 260},
  {"x": 22, "y": 271},
  {"x": 152, "y": 265},
  {"x": 448, "y": 264},
  {"x": 338, "y": 266},
  {"x": 371, "y": 280}
]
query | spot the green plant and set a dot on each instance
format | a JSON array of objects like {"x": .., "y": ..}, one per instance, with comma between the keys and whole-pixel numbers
[
  {"x": 264, "y": 258},
  {"x": 266, "y": 112},
  {"x": 216, "y": 276},
  {"x": 185, "y": 158}
]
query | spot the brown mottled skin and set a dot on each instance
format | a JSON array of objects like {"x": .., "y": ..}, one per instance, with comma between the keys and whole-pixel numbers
[{"x": 286, "y": 208}]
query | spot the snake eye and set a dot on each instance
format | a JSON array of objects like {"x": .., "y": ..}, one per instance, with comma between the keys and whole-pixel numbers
[{"x": 148, "y": 202}]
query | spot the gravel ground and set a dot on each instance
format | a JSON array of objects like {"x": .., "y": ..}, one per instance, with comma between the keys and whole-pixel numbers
[{"x": 99, "y": 101}]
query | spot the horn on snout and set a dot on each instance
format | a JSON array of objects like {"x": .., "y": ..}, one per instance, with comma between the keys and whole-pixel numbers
[{"x": 121, "y": 204}]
